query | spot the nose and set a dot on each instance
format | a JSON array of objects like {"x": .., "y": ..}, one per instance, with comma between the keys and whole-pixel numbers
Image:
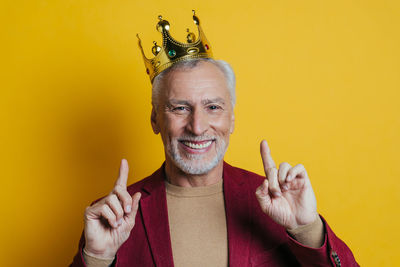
[{"x": 198, "y": 123}]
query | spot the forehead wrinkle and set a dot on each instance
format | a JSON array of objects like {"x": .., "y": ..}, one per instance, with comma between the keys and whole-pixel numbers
[
  {"x": 195, "y": 86},
  {"x": 185, "y": 84},
  {"x": 179, "y": 102},
  {"x": 195, "y": 81},
  {"x": 185, "y": 77}
]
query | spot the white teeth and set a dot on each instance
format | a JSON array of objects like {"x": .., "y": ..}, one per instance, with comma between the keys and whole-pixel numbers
[{"x": 197, "y": 146}]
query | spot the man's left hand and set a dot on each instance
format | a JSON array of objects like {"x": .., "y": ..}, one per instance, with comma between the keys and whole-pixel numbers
[{"x": 286, "y": 194}]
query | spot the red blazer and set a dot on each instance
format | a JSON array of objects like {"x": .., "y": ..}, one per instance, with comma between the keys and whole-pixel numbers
[{"x": 253, "y": 238}]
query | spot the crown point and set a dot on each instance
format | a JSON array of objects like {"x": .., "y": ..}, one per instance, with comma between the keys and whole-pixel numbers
[
  {"x": 162, "y": 25},
  {"x": 195, "y": 19},
  {"x": 194, "y": 12},
  {"x": 156, "y": 49},
  {"x": 190, "y": 37},
  {"x": 159, "y": 17}
]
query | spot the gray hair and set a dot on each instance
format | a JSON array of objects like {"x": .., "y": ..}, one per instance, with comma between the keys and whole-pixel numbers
[{"x": 189, "y": 64}]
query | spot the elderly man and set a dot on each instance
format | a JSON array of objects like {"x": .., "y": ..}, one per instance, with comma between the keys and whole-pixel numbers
[{"x": 197, "y": 210}]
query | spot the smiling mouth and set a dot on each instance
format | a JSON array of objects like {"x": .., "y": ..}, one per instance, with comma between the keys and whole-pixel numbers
[{"x": 197, "y": 145}]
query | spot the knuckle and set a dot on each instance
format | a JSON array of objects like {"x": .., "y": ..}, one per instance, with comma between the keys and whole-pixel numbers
[
  {"x": 105, "y": 212},
  {"x": 121, "y": 193},
  {"x": 104, "y": 208},
  {"x": 117, "y": 188},
  {"x": 284, "y": 165},
  {"x": 274, "y": 184},
  {"x": 119, "y": 211},
  {"x": 300, "y": 166},
  {"x": 270, "y": 173},
  {"x": 124, "y": 196},
  {"x": 274, "y": 188},
  {"x": 113, "y": 198},
  {"x": 88, "y": 210},
  {"x": 118, "y": 215},
  {"x": 108, "y": 200},
  {"x": 116, "y": 209}
]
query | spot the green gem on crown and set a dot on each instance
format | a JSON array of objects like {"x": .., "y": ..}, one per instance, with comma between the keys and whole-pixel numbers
[{"x": 171, "y": 53}]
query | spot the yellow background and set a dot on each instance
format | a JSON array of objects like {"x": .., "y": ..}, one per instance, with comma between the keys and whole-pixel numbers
[{"x": 318, "y": 79}]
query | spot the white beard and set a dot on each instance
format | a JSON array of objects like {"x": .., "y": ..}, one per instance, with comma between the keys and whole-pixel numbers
[{"x": 194, "y": 164}]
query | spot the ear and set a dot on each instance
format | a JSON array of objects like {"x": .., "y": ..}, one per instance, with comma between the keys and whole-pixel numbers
[
  {"x": 153, "y": 119},
  {"x": 232, "y": 123}
]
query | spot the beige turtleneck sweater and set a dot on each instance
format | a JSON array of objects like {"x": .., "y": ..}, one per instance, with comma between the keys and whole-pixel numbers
[{"x": 197, "y": 225}]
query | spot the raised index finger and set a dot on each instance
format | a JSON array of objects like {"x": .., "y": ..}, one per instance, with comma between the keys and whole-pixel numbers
[
  {"x": 266, "y": 156},
  {"x": 123, "y": 174}
]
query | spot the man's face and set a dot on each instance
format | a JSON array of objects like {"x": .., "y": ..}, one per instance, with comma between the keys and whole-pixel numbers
[{"x": 195, "y": 118}]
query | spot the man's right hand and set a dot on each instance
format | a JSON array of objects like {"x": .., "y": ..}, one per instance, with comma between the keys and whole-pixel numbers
[{"x": 109, "y": 222}]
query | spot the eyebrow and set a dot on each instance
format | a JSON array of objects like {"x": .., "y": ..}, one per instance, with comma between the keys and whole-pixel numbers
[
  {"x": 189, "y": 103},
  {"x": 214, "y": 100}
]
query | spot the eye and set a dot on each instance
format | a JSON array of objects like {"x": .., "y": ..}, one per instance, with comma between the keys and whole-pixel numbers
[
  {"x": 180, "y": 109},
  {"x": 214, "y": 107}
]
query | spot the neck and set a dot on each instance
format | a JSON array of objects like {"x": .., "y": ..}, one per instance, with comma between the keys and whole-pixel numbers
[{"x": 177, "y": 177}]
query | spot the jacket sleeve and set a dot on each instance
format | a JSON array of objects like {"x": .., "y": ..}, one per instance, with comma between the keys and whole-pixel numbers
[
  {"x": 78, "y": 260},
  {"x": 334, "y": 251}
]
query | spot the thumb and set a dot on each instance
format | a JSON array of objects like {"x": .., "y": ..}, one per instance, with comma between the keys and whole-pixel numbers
[
  {"x": 135, "y": 206},
  {"x": 262, "y": 194}
]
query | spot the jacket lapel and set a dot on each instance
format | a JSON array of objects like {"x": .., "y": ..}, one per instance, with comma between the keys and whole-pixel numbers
[
  {"x": 153, "y": 206},
  {"x": 237, "y": 208}
]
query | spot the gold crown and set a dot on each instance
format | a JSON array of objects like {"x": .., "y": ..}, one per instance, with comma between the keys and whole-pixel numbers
[{"x": 173, "y": 51}]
